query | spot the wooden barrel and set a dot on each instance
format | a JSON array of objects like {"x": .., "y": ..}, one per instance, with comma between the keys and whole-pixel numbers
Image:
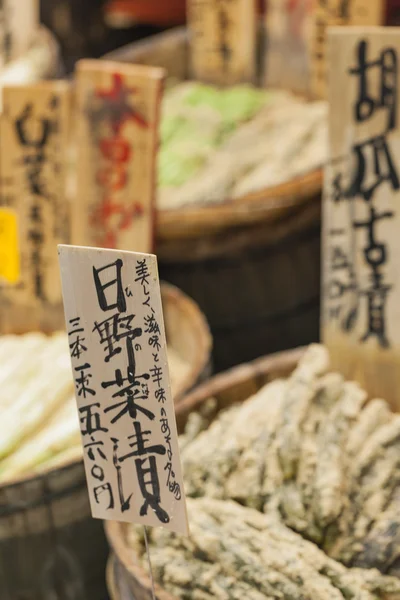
[
  {"x": 126, "y": 580},
  {"x": 252, "y": 264},
  {"x": 50, "y": 547}
]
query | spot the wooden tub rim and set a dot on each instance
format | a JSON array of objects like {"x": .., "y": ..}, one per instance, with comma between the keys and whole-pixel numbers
[{"x": 285, "y": 360}]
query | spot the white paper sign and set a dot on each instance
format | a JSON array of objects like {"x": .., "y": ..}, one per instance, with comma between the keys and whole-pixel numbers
[{"x": 115, "y": 325}]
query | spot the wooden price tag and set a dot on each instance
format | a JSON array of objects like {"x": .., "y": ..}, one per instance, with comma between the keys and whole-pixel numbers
[
  {"x": 223, "y": 40},
  {"x": 35, "y": 135},
  {"x": 286, "y": 61},
  {"x": 336, "y": 12},
  {"x": 361, "y": 218},
  {"x": 115, "y": 325},
  {"x": 117, "y": 138}
]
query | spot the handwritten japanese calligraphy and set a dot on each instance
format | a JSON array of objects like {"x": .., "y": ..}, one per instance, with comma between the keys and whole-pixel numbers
[
  {"x": 119, "y": 361},
  {"x": 223, "y": 43},
  {"x": 362, "y": 190},
  {"x": 118, "y": 133},
  {"x": 35, "y": 133}
]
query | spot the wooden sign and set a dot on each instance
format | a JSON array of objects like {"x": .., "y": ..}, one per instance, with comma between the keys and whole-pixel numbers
[
  {"x": 117, "y": 138},
  {"x": 114, "y": 321},
  {"x": 286, "y": 63},
  {"x": 35, "y": 136},
  {"x": 328, "y": 13},
  {"x": 361, "y": 218},
  {"x": 223, "y": 40},
  {"x": 19, "y": 25}
]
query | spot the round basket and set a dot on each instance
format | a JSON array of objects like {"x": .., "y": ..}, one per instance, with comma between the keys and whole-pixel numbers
[
  {"x": 126, "y": 579},
  {"x": 50, "y": 547},
  {"x": 252, "y": 264}
]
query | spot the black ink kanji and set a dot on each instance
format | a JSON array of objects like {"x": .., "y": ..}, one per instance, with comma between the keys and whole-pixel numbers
[
  {"x": 386, "y": 65},
  {"x": 142, "y": 272},
  {"x": 156, "y": 375},
  {"x": 82, "y": 382},
  {"x": 149, "y": 485},
  {"x": 77, "y": 347},
  {"x": 151, "y": 325},
  {"x": 146, "y": 470},
  {"x": 113, "y": 330},
  {"x": 93, "y": 446},
  {"x": 383, "y": 168},
  {"x": 90, "y": 419},
  {"x": 112, "y": 286},
  {"x": 125, "y": 503},
  {"x": 154, "y": 342},
  {"x": 75, "y": 326},
  {"x": 139, "y": 444},
  {"x": 100, "y": 490},
  {"x": 161, "y": 395},
  {"x": 375, "y": 254}
]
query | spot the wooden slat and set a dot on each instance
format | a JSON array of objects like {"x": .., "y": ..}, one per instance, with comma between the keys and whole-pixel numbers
[
  {"x": 223, "y": 40},
  {"x": 118, "y": 349},
  {"x": 361, "y": 294},
  {"x": 35, "y": 135},
  {"x": 117, "y": 133},
  {"x": 327, "y": 13}
]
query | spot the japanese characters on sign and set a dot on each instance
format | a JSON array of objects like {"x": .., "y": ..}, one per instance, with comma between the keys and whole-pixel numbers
[
  {"x": 328, "y": 13},
  {"x": 118, "y": 113},
  {"x": 118, "y": 352},
  {"x": 223, "y": 40},
  {"x": 35, "y": 134},
  {"x": 362, "y": 194}
]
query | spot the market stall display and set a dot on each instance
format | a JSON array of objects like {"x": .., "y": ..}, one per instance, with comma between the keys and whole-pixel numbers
[
  {"x": 219, "y": 144},
  {"x": 45, "y": 518},
  {"x": 40, "y": 428},
  {"x": 216, "y": 241},
  {"x": 308, "y": 451}
]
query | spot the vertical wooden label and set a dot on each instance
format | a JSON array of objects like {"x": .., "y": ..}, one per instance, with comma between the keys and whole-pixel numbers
[
  {"x": 117, "y": 137},
  {"x": 328, "y": 13},
  {"x": 361, "y": 220},
  {"x": 223, "y": 40},
  {"x": 114, "y": 320},
  {"x": 286, "y": 63},
  {"x": 35, "y": 137}
]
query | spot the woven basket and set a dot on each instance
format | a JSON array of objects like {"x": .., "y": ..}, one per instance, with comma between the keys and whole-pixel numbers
[{"x": 126, "y": 580}]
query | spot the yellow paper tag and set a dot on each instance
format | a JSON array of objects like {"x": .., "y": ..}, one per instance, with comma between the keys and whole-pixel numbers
[{"x": 9, "y": 248}]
